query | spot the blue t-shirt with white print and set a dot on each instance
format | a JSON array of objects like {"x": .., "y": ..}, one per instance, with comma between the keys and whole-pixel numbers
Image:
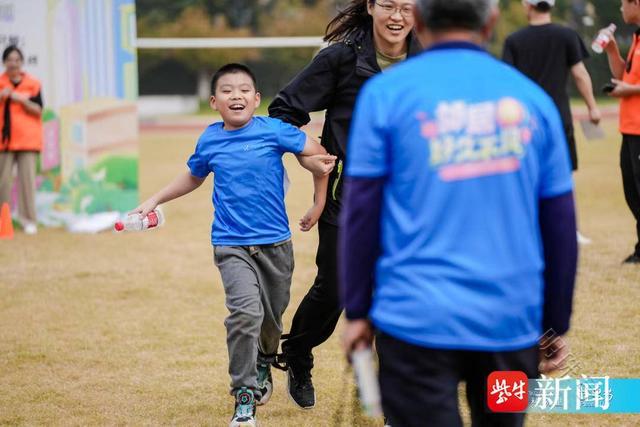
[
  {"x": 467, "y": 147},
  {"x": 248, "y": 192}
]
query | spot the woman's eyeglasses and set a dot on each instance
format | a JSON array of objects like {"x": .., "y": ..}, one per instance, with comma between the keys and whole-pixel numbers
[{"x": 390, "y": 8}]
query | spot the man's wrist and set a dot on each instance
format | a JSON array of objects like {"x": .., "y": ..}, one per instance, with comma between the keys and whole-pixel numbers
[
  {"x": 319, "y": 202},
  {"x": 358, "y": 314},
  {"x": 630, "y": 90}
]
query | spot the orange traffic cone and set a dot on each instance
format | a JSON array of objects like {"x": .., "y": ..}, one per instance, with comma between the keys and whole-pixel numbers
[{"x": 6, "y": 226}]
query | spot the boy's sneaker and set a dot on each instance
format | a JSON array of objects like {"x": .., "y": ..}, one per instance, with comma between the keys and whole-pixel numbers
[
  {"x": 265, "y": 382},
  {"x": 245, "y": 413},
  {"x": 300, "y": 387}
]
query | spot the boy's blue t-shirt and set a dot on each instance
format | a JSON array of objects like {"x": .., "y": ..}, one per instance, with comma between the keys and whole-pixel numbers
[
  {"x": 467, "y": 146},
  {"x": 248, "y": 192}
]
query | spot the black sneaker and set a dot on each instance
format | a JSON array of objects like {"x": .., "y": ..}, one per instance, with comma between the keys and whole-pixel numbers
[
  {"x": 245, "y": 411},
  {"x": 300, "y": 387},
  {"x": 632, "y": 259}
]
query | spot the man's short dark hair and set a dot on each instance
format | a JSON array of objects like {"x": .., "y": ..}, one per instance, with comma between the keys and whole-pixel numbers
[
  {"x": 439, "y": 15},
  {"x": 9, "y": 49},
  {"x": 231, "y": 69},
  {"x": 543, "y": 7}
]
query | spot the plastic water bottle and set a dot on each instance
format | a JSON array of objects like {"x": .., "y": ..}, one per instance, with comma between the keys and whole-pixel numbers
[
  {"x": 368, "y": 387},
  {"x": 135, "y": 222},
  {"x": 602, "y": 39}
]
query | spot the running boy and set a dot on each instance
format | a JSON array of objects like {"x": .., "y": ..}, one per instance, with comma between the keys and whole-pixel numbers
[{"x": 250, "y": 232}]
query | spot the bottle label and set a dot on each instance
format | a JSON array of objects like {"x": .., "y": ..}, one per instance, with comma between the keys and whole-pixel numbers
[
  {"x": 153, "y": 219},
  {"x": 602, "y": 40}
]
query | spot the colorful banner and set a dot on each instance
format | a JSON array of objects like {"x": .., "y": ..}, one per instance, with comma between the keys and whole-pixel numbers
[{"x": 82, "y": 52}]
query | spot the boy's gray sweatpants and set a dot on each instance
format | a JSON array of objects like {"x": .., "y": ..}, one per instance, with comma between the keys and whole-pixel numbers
[{"x": 256, "y": 280}]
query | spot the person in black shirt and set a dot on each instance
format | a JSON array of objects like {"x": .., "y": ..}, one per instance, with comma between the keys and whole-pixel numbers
[
  {"x": 365, "y": 38},
  {"x": 547, "y": 53}
]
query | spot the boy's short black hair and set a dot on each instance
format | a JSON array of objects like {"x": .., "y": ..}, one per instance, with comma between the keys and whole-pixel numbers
[
  {"x": 9, "y": 49},
  {"x": 231, "y": 69}
]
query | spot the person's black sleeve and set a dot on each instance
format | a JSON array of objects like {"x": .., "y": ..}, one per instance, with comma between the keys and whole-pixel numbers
[
  {"x": 359, "y": 243},
  {"x": 558, "y": 231},
  {"x": 311, "y": 90},
  {"x": 37, "y": 99},
  {"x": 508, "y": 55},
  {"x": 576, "y": 50}
]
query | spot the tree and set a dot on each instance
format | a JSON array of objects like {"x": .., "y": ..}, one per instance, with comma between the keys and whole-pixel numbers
[
  {"x": 228, "y": 18},
  {"x": 193, "y": 21}
]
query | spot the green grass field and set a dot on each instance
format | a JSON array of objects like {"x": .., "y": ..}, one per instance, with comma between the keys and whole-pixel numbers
[{"x": 127, "y": 329}]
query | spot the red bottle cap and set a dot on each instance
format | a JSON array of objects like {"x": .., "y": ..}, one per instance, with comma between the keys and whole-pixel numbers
[{"x": 119, "y": 226}]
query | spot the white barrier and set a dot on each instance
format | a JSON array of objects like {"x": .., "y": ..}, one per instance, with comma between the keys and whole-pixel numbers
[
  {"x": 228, "y": 42},
  {"x": 154, "y": 105}
]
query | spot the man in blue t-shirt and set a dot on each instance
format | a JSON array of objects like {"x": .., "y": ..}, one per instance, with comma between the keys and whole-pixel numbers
[
  {"x": 250, "y": 232},
  {"x": 459, "y": 207}
]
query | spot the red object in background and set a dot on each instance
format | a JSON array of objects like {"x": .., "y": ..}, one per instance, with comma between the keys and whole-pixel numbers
[
  {"x": 6, "y": 226},
  {"x": 507, "y": 391}
]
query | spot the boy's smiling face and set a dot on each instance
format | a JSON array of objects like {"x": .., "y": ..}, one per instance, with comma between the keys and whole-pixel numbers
[{"x": 235, "y": 99}]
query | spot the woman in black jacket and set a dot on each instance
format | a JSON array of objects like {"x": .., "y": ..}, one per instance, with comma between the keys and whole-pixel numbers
[{"x": 365, "y": 38}]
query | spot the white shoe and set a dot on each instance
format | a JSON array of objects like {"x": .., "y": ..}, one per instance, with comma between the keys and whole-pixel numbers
[
  {"x": 30, "y": 228},
  {"x": 583, "y": 240}
]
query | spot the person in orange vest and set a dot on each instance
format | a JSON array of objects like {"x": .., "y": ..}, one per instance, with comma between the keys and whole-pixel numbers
[
  {"x": 21, "y": 138},
  {"x": 626, "y": 86}
]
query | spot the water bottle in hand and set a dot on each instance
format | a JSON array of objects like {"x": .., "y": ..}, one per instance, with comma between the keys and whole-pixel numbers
[
  {"x": 135, "y": 222},
  {"x": 368, "y": 388},
  {"x": 602, "y": 39}
]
